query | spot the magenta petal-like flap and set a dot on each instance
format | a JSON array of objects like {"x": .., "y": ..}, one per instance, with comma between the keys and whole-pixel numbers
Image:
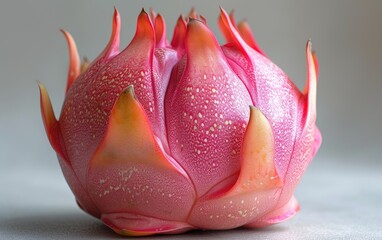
[
  {"x": 255, "y": 191},
  {"x": 206, "y": 111},
  {"x": 177, "y": 41},
  {"x": 50, "y": 123},
  {"x": 308, "y": 138},
  {"x": 74, "y": 60},
  {"x": 55, "y": 139},
  {"x": 129, "y": 172}
]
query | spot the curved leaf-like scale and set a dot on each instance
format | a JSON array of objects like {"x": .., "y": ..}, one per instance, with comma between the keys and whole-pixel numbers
[
  {"x": 256, "y": 189},
  {"x": 206, "y": 112},
  {"x": 243, "y": 29},
  {"x": 276, "y": 216},
  {"x": 160, "y": 31},
  {"x": 177, "y": 41},
  {"x": 51, "y": 124},
  {"x": 310, "y": 92},
  {"x": 112, "y": 48},
  {"x": 271, "y": 92},
  {"x": 74, "y": 60},
  {"x": 87, "y": 108},
  {"x": 129, "y": 173},
  {"x": 225, "y": 30},
  {"x": 230, "y": 33},
  {"x": 257, "y": 165},
  {"x": 308, "y": 138},
  {"x": 246, "y": 33},
  {"x": 54, "y": 136},
  {"x": 128, "y": 224}
]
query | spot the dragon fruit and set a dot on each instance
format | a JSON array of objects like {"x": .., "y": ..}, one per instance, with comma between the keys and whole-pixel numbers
[{"x": 164, "y": 137}]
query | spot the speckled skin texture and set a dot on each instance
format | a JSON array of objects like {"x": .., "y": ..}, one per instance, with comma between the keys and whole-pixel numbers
[{"x": 165, "y": 138}]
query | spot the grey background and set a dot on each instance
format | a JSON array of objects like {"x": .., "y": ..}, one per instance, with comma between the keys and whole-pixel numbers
[{"x": 339, "y": 194}]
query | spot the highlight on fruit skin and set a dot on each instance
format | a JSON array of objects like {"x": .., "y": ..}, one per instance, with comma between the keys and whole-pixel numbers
[{"x": 164, "y": 137}]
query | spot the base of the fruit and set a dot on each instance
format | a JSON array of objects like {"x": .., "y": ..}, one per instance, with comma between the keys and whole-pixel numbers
[{"x": 129, "y": 224}]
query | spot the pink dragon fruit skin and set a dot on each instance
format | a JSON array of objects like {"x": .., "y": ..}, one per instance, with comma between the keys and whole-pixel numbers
[{"x": 162, "y": 138}]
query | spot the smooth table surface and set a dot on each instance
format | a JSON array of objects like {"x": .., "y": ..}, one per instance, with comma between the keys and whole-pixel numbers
[{"x": 338, "y": 201}]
